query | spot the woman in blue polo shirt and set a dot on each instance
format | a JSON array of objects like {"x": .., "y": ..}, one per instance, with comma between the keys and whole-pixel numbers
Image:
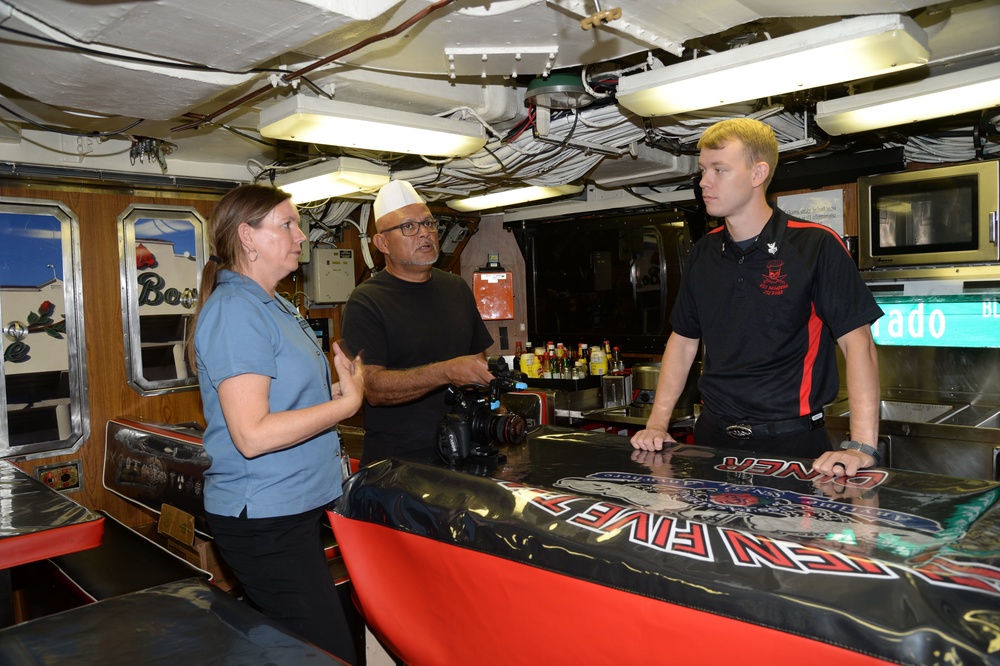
[{"x": 270, "y": 409}]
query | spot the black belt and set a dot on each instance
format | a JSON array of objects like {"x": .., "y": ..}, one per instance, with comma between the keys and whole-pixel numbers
[{"x": 742, "y": 430}]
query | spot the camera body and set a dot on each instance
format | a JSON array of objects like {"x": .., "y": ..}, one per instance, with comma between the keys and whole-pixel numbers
[{"x": 471, "y": 428}]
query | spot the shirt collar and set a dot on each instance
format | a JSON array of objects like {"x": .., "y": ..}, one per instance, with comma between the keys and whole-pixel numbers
[
  {"x": 227, "y": 276},
  {"x": 770, "y": 238}
]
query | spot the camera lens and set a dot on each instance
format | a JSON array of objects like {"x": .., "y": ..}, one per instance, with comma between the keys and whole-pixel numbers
[{"x": 506, "y": 428}]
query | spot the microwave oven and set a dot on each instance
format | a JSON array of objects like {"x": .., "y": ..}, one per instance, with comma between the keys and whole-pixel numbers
[{"x": 943, "y": 218}]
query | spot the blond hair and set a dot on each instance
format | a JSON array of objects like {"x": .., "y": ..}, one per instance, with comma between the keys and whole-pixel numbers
[{"x": 759, "y": 142}]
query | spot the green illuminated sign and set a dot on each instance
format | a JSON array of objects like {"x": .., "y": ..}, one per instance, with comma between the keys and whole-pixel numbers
[{"x": 937, "y": 323}]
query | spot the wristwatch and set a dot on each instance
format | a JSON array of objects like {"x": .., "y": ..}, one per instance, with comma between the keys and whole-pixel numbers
[{"x": 864, "y": 448}]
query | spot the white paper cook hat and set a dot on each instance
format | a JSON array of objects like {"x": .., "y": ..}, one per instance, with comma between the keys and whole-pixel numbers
[{"x": 394, "y": 195}]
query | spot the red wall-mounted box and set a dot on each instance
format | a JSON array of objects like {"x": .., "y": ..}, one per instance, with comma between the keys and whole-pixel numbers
[{"x": 494, "y": 294}]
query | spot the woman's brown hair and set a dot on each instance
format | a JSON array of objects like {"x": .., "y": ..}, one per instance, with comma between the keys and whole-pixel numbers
[{"x": 246, "y": 203}]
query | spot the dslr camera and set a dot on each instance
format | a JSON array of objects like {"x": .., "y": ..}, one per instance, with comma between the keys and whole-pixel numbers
[{"x": 468, "y": 432}]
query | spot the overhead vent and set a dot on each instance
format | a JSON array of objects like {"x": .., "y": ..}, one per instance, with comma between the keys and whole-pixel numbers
[{"x": 647, "y": 165}]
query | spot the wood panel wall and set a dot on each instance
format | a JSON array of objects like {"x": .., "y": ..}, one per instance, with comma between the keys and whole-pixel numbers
[{"x": 109, "y": 394}]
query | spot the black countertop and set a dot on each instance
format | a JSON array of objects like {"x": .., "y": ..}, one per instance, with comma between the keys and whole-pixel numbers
[{"x": 900, "y": 565}]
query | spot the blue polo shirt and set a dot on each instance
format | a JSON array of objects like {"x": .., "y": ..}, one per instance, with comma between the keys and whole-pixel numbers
[{"x": 243, "y": 329}]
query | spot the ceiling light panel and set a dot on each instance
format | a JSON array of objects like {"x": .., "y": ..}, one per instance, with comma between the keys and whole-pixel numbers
[
  {"x": 843, "y": 51},
  {"x": 331, "y": 122},
  {"x": 934, "y": 97},
  {"x": 513, "y": 197},
  {"x": 332, "y": 178}
]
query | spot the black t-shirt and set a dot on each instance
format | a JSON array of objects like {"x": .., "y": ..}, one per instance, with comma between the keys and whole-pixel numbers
[
  {"x": 401, "y": 325},
  {"x": 770, "y": 316}
]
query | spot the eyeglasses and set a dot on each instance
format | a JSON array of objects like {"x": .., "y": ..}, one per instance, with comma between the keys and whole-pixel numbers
[{"x": 411, "y": 228}]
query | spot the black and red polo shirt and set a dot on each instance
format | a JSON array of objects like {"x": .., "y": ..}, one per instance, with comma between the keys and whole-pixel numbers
[{"x": 770, "y": 316}]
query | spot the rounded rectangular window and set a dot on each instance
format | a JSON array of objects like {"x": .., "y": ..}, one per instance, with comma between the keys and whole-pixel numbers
[
  {"x": 44, "y": 391},
  {"x": 163, "y": 252}
]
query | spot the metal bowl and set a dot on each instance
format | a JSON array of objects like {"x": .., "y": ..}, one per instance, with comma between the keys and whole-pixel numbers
[{"x": 645, "y": 376}]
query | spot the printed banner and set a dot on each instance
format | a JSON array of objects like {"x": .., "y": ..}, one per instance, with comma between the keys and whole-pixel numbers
[{"x": 758, "y": 538}]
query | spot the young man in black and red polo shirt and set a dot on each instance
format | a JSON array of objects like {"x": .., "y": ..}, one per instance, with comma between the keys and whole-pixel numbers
[{"x": 771, "y": 297}]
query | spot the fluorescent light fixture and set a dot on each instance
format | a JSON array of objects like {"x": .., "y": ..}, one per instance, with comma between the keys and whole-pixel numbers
[
  {"x": 325, "y": 121},
  {"x": 332, "y": 178},
  {"x": 513, "y": 197},
  {"x": 843, "y": 51},
  {"x": 934, "y": 97}
]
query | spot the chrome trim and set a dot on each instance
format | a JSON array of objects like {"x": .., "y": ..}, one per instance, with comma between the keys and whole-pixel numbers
[{"x": 134, "y": 372}]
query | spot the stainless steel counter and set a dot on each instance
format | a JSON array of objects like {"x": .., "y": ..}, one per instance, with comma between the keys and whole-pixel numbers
[
  {"x": 949, "y": 438},
  {"x": 939, "y": 436},
  {"x": 628, "y": 414}
]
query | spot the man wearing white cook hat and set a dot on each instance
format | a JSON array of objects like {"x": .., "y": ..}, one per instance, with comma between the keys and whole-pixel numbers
[{"x": 417, "y": 329}]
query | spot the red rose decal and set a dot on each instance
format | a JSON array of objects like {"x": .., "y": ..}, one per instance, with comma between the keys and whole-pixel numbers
[{"x": 143, "y": 257}]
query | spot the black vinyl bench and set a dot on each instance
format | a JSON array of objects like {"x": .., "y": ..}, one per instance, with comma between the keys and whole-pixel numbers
[
  {"x": 183, "y": 622},
  {"x": 125, "y": 562}
]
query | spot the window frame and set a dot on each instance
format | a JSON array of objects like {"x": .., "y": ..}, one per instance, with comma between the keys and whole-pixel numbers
[
  {"x": 135, "y": 372},
  {"x": 79, "y": 406}
]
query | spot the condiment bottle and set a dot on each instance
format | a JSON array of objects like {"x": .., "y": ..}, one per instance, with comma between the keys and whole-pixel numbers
[
  {"x": 598, "y": 361},
  {"x": 526, "y": 362}
]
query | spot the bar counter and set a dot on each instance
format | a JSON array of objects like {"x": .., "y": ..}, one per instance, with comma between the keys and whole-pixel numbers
[{"x": 578, "y": 550}]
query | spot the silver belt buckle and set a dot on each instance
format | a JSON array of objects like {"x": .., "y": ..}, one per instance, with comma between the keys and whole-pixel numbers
[{"x": 740, "y": 431}]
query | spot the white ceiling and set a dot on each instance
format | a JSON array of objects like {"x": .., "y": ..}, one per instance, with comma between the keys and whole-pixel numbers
[{"x": 71, "y": 67}]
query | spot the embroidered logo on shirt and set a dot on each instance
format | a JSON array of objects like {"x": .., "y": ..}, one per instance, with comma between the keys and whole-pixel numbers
[
  {"x": 774, "y": 283},
  {"x": 772, "y": 248}
]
